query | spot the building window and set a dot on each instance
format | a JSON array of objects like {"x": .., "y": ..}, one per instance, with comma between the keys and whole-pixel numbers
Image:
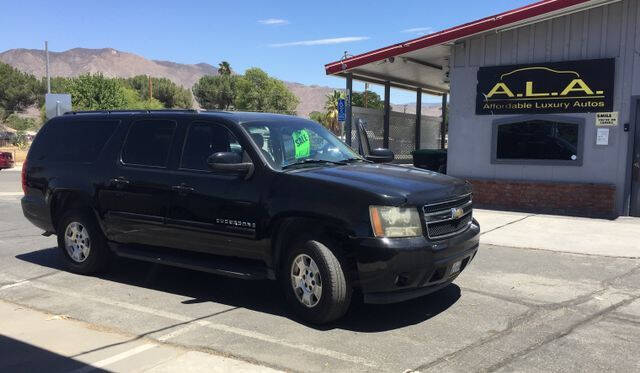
[{"x": 552, "y": 140}]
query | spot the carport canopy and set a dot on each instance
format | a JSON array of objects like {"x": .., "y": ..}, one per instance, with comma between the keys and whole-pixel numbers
[{"x": 422, "y": 64}]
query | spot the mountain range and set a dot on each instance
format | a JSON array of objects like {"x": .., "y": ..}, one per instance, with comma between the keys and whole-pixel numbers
[{"x": 115, "y": 63}]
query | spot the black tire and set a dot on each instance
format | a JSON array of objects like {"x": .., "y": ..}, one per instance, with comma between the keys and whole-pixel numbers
[
  {"x": 336, "y": 291},
  {"x": 99, "y": 254}
]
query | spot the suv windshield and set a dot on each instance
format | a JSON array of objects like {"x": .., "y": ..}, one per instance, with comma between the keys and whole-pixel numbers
[{"x": 293, "y": 144}]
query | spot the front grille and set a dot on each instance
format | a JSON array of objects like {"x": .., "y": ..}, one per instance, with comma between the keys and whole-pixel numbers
[
  {"x": 448, "y": 218},
  {"x": 446, "y": 228},
  {"x": 439, "y": 206}
]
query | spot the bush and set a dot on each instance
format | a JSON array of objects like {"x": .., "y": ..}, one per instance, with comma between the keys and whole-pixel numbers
[
  {"x": 21, "y": 123},
  {"x": 21, "y": 140}
]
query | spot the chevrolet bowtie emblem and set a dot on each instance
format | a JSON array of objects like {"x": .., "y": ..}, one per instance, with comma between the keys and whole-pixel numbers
[{"x": 456, "y": 212}]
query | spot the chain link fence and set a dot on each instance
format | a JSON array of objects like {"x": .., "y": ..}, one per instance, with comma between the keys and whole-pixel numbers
[{"x": 401, "y": 132}]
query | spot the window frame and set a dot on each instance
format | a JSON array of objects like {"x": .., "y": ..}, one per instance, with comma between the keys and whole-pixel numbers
[
  {"x": 579, "y": 121},
  {"x": 124, "y": 144},
  {"x": 186, "y": 137}
]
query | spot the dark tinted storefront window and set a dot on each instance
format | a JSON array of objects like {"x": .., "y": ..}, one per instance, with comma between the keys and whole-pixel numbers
[
  {"x": 538, "y": 140},
  {"x": 148, "y": 143}
]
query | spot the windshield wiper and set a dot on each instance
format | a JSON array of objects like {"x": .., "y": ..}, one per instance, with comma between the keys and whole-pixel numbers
[
  {"x": 313, "y": 161},
  {"x": 350, "y": 160}
]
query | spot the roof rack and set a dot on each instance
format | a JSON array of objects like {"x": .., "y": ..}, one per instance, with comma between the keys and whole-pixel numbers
[{"x": 132, "y": 111}]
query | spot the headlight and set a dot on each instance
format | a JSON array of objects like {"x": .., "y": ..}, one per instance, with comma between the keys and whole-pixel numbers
[{"x": 389, "y": 221}]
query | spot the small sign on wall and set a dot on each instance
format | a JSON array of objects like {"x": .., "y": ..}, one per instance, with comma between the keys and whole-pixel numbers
[
  {"x": 607, "y": 119},
  {"x": 602, "y": 136}
]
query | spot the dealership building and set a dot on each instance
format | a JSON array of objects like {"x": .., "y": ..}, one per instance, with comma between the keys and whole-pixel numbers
[{"x": 543, "y": 103}]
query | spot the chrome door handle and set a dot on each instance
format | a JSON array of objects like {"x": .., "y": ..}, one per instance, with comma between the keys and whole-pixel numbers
[
  {"x": 119, "y": 182},
  {"x": 183, "y": 189}
]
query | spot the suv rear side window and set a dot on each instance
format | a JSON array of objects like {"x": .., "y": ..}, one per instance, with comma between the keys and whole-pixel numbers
[
  {"x": 148, "y": 143},
  {"x": 74, "y": 141}
]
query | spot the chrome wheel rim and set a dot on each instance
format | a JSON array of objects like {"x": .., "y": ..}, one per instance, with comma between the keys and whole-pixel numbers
[
  {"x": 77, "y": 242},
  {"x": 306, "y": 280}
]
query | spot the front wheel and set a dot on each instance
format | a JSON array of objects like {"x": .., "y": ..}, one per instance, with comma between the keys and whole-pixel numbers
[{"x": 315, "y": 283}]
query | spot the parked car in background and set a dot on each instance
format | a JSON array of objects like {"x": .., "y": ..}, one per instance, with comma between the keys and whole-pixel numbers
[
  {"x": 6, "y": 160},
  {"x": 252, "y": 196}
]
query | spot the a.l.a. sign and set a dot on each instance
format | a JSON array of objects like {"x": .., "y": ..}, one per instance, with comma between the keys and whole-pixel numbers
[{"x": 562, "y": 87}]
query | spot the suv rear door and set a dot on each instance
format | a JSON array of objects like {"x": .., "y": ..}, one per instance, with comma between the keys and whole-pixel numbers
[
  {"x": 210, "y": 211},
  {"x": 136, "y": 194}
]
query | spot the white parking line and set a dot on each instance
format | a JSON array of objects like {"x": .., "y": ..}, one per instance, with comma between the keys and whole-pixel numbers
[
  {"x": 220, "y": 327},
  {"x": 115, "y": 358},
  {"x": 17, "y": 283}
]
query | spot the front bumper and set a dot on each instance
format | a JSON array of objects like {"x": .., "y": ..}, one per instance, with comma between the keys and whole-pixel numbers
[{"x": 396, "y": 269}]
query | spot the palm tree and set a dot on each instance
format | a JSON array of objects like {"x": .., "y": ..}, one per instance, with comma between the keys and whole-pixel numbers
[
  {"x": 331, "y": 115},
  {"x": 224, "y": 68}
]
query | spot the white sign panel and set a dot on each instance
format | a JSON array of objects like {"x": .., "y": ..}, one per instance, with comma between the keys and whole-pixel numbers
[
  {"x": 607, "y": 119},
  {"x": 57, "y": 104},
  {"x": 602, "y": 136}
]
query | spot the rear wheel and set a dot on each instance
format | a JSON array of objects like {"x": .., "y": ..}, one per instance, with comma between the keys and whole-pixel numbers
[
  {"x": 82, "y": 243},
  {"x": 315, "y": 283}
]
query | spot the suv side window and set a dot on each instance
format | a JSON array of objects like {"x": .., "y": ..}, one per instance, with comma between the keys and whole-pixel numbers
[
  {"x": 74, "y": 141},
  {"x": 205, "y": 139},
  {"x": 148, "y": 143}
]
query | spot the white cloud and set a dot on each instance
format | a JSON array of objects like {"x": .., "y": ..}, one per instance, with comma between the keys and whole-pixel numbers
[
  {"x": 418, "y": 30},
  {"x": 346, "y": 39},
  {"x": 273, "y": 21}
]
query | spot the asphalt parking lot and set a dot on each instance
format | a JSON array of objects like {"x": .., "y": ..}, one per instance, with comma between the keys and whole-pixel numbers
[{"x": 513, "y": 310}]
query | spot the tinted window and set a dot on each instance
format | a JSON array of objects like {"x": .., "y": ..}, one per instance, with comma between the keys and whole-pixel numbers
[
  {"x": 77, "y": 141},
  {"x": 538, "y": 140},
  {"x": 148, "y": 143},
  {"x": 293, "y": 143},
  {"x": 205, "y": 139}
]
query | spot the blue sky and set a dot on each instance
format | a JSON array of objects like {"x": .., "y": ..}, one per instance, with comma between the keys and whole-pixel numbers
[{"x": 291, "y": 40}]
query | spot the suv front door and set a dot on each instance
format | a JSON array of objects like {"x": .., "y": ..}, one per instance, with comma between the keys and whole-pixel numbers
[{"x": 213, "y": 212}]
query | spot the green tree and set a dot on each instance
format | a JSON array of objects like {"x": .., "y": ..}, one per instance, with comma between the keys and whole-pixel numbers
[
  {"x": 257, "y": 91},
  {"x": 167, "y": 92},
  {"x": 97, "y": 92},
  {"x": 331, "y": 111},
  {"x": 18, "y": 90},
  {"x": 373, "y": 100},
  {"x": 224, "y": 68},
  {"x": 20, "y": 123},
  {"x": 216, "y": 92},
  {"x": 134, "y": 101},
  {"x": 317, "y": 116},
  {"x": 92, "y": 92}
]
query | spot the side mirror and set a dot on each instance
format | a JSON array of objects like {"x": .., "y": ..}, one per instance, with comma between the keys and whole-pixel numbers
[
  {"x": 229, "y": 162},
  {"x": 380, "y": 155}
]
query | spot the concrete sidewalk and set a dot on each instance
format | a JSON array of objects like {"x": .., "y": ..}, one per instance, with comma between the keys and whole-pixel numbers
[
  {"x": 616, "y": 238},
  {"x": 36, "y": 341}
]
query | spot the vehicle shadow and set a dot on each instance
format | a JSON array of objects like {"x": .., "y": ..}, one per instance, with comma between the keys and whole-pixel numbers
[
  {"x": 18, "y": 356},
  {"x": 261, "y": 296}
]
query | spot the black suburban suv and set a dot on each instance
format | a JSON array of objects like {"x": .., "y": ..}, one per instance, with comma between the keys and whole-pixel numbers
[{"x": 248, "y": 195}]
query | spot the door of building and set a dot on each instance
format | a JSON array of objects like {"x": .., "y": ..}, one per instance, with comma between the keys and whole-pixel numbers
[{"x": 635, "y": 166}]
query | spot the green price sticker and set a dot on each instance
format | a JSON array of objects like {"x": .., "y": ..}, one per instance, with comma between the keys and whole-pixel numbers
[{"x": 301, "y": 143}]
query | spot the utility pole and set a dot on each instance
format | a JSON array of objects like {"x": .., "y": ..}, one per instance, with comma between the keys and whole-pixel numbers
[
  {"x": 46, "y": 52},
  {"x": 366, "y": 88}
]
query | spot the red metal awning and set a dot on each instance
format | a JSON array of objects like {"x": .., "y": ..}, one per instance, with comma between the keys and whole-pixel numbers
[{"x": 362, "y": 65}]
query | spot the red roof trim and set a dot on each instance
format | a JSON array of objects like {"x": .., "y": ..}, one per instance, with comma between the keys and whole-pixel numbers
[{"x": 454, "y": 33}]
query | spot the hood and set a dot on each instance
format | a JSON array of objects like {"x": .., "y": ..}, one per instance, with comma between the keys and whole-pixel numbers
[{"x": 413, "y": 185}]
